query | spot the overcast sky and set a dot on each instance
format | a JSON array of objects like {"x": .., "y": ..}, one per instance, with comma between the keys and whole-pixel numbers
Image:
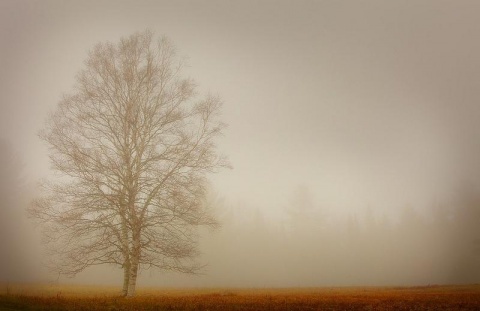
[{"x": 367, "y": 103}]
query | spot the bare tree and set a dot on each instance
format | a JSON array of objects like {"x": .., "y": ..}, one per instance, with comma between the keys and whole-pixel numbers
[{"x": 133, "y": 145}]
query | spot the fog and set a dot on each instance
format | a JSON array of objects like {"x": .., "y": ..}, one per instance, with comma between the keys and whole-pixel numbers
[{"x": 353, "y": 131}]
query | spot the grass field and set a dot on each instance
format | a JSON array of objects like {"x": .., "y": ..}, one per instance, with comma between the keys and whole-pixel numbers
[{"x": 48, "y": 297}]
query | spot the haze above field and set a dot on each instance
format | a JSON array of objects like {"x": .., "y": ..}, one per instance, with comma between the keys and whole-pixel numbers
[{"x": 353, "y": 131}]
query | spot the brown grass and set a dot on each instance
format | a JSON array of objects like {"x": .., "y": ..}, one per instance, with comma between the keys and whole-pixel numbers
[{"x": 44, "y": 297}]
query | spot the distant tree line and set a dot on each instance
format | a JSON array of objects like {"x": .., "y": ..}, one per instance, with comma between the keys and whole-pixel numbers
[{"x": 311, "y": 248}]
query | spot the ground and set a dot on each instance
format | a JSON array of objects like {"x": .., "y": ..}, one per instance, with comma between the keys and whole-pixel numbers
[{"x": 55, "y": 297}]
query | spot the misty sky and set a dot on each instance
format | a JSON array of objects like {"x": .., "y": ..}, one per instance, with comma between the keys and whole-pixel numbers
[{"x": 366, "y": 103}]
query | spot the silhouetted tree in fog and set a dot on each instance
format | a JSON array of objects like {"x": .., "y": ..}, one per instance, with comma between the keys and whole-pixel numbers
[
  {"x": 305, "y": 239},
  {"x": 304, "y": 217},
  {"x": 13, "y": 265},
  {"x": 133, "y": 144},
  {"x": 465, "y": 234}
]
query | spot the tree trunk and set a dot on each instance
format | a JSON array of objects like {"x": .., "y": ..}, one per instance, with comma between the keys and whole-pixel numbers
[
  {"x": 126, "y": 277},
  {"x": 132, "y": 281},
  {"x": 134, "y": 262},
  {"x": 126, "y": 264}
]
